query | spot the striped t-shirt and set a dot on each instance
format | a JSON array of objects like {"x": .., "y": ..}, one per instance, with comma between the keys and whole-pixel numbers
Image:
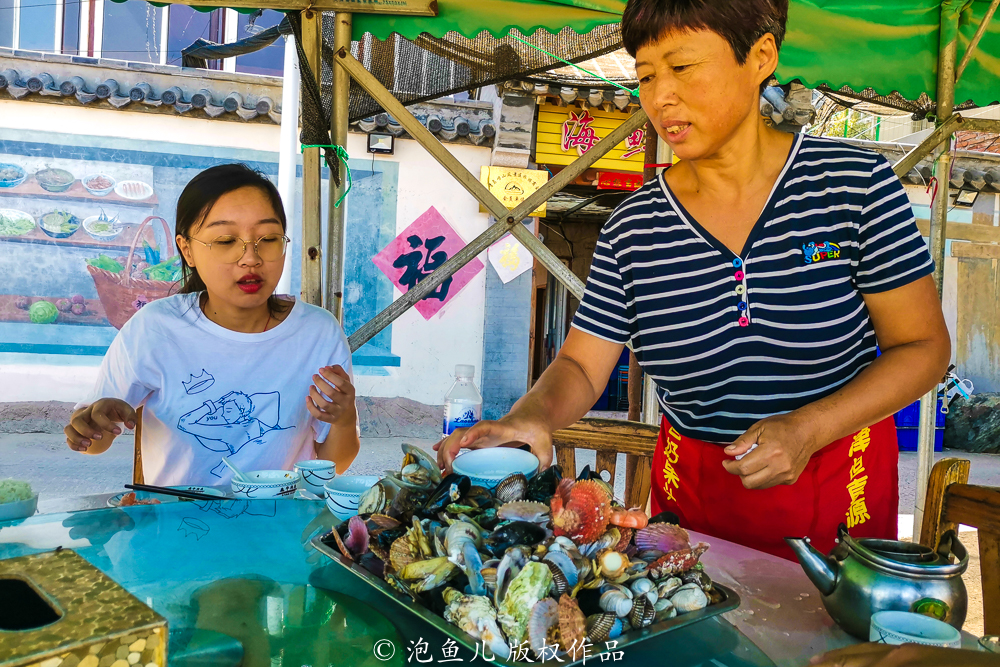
[{"x": 732, "y": 339}]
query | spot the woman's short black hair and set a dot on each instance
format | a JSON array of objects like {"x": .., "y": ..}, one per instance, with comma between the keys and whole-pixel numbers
[
  {"x": 200, "y": 195},
  {"x": 739, "y": 22}
]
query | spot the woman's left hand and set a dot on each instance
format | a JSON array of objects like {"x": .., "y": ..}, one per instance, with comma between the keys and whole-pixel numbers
[
  {"x": 335, "y": 383},
  {"x": 907, "y": 655},
  {"x": 784, "y": 445}
]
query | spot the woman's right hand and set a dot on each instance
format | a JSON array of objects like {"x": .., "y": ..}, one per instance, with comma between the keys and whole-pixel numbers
[
  {"x": 92, "y": 429},
  {"x": 509, "y": 431}
]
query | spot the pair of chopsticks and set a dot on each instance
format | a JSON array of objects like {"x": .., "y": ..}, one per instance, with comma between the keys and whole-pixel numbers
[{"x": 192, "y": 495}]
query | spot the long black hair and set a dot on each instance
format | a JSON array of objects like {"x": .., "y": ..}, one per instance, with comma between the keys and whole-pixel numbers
[{"x": 197, "y": 200}]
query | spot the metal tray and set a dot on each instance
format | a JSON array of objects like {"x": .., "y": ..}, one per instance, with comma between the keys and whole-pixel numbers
[{"x": 730, "y": 601}]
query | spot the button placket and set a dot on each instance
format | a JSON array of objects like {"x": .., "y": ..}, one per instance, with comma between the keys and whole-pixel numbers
[{"x": 741, "y": 291}]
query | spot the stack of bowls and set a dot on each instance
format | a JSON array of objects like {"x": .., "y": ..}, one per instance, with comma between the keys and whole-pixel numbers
[
  {"x": 315, "y": 475},
  {"x": 344, "y": 491},
  {"x": 486, "y": 467}
]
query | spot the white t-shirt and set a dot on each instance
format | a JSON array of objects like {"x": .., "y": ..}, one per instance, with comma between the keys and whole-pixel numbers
[{"x": 210, "y": 392}]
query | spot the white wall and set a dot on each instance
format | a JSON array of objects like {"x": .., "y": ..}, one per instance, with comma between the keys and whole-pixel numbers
[{"x": 429, "y": 350}]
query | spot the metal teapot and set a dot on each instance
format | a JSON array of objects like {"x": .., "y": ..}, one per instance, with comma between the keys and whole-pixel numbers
[{"x": 866, "y": 575}]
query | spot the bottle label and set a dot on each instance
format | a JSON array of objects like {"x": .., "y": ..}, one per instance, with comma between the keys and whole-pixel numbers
[{"x": 460, "y": 416}]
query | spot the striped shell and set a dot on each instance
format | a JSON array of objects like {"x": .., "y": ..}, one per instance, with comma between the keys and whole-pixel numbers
[
  {"x": 524, "y": 510},
  {"x": 643, "y": 613},
  {"x": 564, "y": 573},
  {"x": 543, "y": 625},
  {"x": 603, "y": 627},
  {"x": 665, "y": 537},
  {"x": 402, "y": 553},
  {"x": 511, "y": 488}
]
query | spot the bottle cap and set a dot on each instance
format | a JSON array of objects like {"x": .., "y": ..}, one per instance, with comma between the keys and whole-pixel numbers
[{"x": 465, "y": 371}]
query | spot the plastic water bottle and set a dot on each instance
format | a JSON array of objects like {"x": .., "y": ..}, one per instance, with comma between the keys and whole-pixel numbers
[{"x": 463, "y": 404}]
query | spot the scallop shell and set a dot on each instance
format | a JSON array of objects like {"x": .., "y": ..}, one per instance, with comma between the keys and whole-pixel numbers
[
  {"x": 564, "y": 573},
  {"x": 572, "y": 627},
  {"x": 688, "y": 598},
  {"x": 580, "y": 510},
  {"x": 511, "y": 488},
  {"x": 643, "y": 613},
  {"x": 664, "y": 537},
  {"x": 542, "y": 626},
  {"x": 402, "y": 553},
  {"x": 616, "y": 602},
  {"x": 524, "y": 510},
  {"x": 603, "y": 627}
]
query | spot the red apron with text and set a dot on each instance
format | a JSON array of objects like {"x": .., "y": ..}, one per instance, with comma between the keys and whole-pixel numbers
[{"x": 852, "y": 481}]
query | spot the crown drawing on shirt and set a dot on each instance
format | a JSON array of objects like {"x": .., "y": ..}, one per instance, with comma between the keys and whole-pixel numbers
[{"x": 198, "y": 383}]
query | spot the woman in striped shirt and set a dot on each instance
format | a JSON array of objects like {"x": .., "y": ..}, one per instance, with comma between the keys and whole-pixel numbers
[{"x": 753, "y": 281}]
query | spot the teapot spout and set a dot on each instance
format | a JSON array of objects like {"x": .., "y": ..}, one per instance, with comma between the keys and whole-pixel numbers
[{"x": 822, "y": 571}]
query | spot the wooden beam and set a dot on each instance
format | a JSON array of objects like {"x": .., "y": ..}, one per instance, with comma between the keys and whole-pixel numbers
[
  {"x": 312, "y": 232},
  {"x": 961, "y": 231},
  {"x": 975, "y": 250},
  {"x": 401, "y": 7}
]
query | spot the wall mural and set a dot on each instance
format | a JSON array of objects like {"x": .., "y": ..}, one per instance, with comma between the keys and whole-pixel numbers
[{"x": 86, "y": 237}]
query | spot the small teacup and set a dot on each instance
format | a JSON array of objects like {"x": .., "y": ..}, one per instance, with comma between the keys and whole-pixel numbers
[{"x": 315, "y": 474}]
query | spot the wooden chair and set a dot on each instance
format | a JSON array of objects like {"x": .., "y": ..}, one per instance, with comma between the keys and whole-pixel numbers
[
  {"x": 610, "y": 437},
  {"x": 951, "y": 501},
  {"x": 137, "y": 477}
]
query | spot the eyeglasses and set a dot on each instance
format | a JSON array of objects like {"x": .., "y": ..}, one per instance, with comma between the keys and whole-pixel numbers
[{"x": 229, "y": 249}]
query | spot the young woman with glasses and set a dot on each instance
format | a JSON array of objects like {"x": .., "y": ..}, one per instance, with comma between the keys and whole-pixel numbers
[{"x": 225, "y": 367}]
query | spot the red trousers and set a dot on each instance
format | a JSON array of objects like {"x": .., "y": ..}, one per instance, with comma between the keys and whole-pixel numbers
[{"x": 852, "y": 481}]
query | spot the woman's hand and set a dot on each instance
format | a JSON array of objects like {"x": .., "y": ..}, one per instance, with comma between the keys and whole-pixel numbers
[
  {"x": 907, "y": 655},
  {"x": 331, "y": 398},
  {"x": 511, "y": 431},
  {"x": 784, "y": 445},
  {"x": 98, "y": 421}
]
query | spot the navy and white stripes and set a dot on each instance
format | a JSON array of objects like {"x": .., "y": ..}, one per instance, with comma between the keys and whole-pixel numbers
[{"x": 731, "y": 339}]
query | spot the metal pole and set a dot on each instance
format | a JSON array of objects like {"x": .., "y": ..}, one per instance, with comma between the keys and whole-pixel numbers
[
  {"x": 334, "y": 293},
  {"x": 947, "y": 52},
  {"x": 980, "y": 31},
  {"x": 288, "y": 151},
  {"x": 312, "y": 233}
]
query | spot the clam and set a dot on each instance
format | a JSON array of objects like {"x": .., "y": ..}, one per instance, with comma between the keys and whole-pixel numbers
[
  {"x": 475, "y": 615},
  {"x": 511, "y": 488},
  {"x": 668, "y": 587},
  {"x": 617, "y": 602},
  {"x": 524, "y": 510},
  {"x": 376, "y": 499},
  {"x": 603, "y": 627},
  {"x": 641, "y": 586},
  {"x": 415, "y": 455},
  {"x": 664, "y": 609},
  {"x": 643, "y": 613},
  {"x": 688, "y": 598}
]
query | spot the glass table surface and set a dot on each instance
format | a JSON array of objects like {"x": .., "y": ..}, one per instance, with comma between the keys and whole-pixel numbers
[{"x": 238, "y": 580}]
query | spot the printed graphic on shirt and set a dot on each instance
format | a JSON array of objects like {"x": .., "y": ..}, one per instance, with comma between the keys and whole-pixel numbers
[
  {"x": 233, "y": 421},
  {"x": 817, "y": 252},
  {"x": 198, "y": 383}
]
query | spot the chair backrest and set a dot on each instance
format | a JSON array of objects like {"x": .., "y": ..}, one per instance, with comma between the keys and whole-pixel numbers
[
  {"x": 610, "y": 437},
  {"x": 137, "y": 477},
  {"x": 954, "y": 502}
]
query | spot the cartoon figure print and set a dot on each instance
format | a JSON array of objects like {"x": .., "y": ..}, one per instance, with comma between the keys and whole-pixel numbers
[
  {"x": 231, "y": 422},
  {"x": 815, "y": 252}
]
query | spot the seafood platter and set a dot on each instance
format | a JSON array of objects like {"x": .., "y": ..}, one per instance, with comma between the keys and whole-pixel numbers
[{"x": 551, "y": 569}]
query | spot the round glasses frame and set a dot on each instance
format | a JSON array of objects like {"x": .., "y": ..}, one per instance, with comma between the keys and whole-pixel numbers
[{"x": 223, "y": 250}]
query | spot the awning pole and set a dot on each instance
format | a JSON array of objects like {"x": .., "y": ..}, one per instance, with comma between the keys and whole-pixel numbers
[
  {"x": 312, "y": 235},
  {"x": 288, "y": 151},
  {"x": 980, "y": 31},
  {"x": 334, "y": 292},
  {"x": 947, "y": 52}
]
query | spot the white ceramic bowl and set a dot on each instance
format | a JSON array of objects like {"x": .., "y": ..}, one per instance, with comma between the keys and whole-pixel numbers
[
  {"x": 344, "y": 491},
  {"x": 267, "y": 484},
  {"x": 19, "y": 509},
  {"x": 904, "y": 627},
  {"x": 315, "y": 475},
  {"x": 486, "y": 467}
]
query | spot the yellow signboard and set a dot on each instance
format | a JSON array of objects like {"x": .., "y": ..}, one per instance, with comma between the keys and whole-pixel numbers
[
  {"x": 566, "y": 133},
  {"x": 512, "y": 186}
]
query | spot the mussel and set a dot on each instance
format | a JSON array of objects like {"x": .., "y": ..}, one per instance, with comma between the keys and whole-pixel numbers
[
  {"x": 542, "y": 486},
  {"x": 452, "y": 489},
  {"x": 514, "y": 533}
]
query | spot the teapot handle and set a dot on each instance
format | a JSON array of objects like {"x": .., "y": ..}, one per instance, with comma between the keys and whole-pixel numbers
[{"x": 950, "y": 545}]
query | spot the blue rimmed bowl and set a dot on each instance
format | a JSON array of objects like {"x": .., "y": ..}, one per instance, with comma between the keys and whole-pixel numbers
[
  {"x": 344, "y": 492},
  {"x": 266, "y": 484},
  {"x": 11, "y": 175},
  {"x": 486, "y": 467},
  {"x": 315, "y": 475}
]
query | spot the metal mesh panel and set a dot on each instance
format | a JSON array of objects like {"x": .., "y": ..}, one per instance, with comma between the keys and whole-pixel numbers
[
  {"x": 920, "y": 108},
  {"x": 428, "y": 68}
]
